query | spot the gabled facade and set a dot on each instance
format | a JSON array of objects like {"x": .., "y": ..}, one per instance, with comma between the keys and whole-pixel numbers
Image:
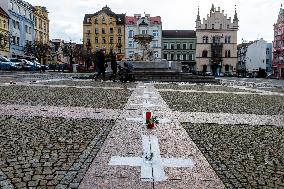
[
  {"x": 180, "y": 45},
  {"x": 216, "y": 49},
  {"x": 146, "y": 25},
  {"x": 41, "y": 24},
  {"x": 278, "y": 45},
  {"x": 4, "y": 33},
  {"x": 104, "y": 30}
]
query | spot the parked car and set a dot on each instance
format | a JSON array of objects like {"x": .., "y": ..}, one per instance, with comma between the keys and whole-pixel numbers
[
  {"x": 228, "y": 74},
  {"x": 5, "y": 64},
  {"x": 30, "y": 66},
  {"x": 208, "y": 73},
  {"x": 17, "y": 64},
  {"x": 271, "y": 76}
]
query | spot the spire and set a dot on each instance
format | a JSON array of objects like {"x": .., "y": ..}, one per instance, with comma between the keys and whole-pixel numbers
[
  {"x": 236, "y": 19},
  {"x": 198, "y": 15},
  {"x": 212, "y": 8}
]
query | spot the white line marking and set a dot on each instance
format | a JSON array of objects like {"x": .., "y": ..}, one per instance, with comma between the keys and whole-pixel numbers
[{"x": 152, "y": 164}]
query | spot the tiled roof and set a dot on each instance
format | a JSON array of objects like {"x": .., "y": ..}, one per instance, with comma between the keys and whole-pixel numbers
[
  {"x": 156, "y": 20},
  {"x": 130, "y": 20},
  {"x": 179, "y": 34}
]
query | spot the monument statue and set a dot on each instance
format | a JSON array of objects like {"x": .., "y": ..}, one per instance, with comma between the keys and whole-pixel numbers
[{"x": 143, "y": 41}]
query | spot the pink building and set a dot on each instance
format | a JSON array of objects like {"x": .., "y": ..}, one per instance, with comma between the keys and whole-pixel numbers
[{"x": 278, "y": 45}]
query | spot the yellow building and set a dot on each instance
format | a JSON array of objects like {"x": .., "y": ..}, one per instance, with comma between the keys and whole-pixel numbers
[
  {"x": 4, "y": 33},
  {"x": 104, "y": 30},
  {"x": 41, "y": 22}
]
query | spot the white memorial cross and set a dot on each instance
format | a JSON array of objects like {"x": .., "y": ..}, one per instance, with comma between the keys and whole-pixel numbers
[{"x": 152, "y": 164}]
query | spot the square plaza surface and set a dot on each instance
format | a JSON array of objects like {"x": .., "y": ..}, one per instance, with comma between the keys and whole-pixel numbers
[{"x": 59, "y": 132}]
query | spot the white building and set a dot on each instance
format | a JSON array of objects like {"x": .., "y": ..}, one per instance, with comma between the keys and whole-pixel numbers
[
  {"x": 216, "y": 48},
  {"x": 252, "y": 57},
  {"x": 143, "y": 25}
]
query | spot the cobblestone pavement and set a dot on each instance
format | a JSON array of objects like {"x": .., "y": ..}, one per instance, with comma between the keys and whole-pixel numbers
[
  {"x": 225, "y": 103},
  {"x": 46, "y": 96},
  {"x": 48, "y": 152},
  {"x": 92, "y": 83},
  {"x": 199, "y": 87},
  {"x": 243, "y": 156}
]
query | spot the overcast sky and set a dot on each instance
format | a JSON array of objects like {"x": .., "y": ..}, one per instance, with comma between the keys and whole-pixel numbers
[{"x": 256, "y": 16}]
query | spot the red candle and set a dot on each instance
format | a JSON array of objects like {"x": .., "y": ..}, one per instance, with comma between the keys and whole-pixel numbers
[{"x": 148, "y": 116}]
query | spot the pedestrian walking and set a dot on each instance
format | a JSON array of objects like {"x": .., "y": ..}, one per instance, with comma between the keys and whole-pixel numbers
[
  {"x": 113, "y": 66},
  {"x": 101, "y": 64}
]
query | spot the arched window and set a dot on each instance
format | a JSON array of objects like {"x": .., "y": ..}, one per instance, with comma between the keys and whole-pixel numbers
[
  {"x": 227, "y": 53},
  {"x": 204, "y": 54},
  {"x": 205, "y": 39}
]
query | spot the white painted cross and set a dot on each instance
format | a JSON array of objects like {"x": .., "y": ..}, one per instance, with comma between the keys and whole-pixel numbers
[
  {"x": 146, "y": 104},
  {"x": 152, "y": 164}
]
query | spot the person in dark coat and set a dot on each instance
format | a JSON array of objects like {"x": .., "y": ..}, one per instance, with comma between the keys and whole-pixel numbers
[
  {"x": 101, "y": 64},
  {"x": 113, "y": 66}
]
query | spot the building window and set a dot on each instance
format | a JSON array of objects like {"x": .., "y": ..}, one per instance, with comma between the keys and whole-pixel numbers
[
  {"x": 267, "y": 51},
  {"x": 178, "y": 57},
  {"x": 130, "y": 44},
  {"x": 205, "y": 39},
  {"x": 96, "y": 21},
  {"x": 111, "y": 30},
  {"x": 104, "y": 20},
  {"x": 205, "y": 26},
  {"x": 190, "y": 46},
  {"x": 155, "y": 34},
  {"x": 104, "y": 40},
  {"x": 172, "y": 46},
  {"x": 156, "y": 54},
  {"x": 18, "y": 40},
  {"x": 119, "y": 30},
  {"x": 110, "y": 20},
  {"x": 26, "y": 29},
  {"x": 103, "y": 31},
  {"x": 166, "y": 56},
  {"x": 191, "y": 57},
  {"x": 155, "y": 44},
  {"x": 111, "y": 40},
  {"x": 184, "y": 57},
  {"x": 96, "y": 31},
  {"x": 213, "y": 26},
  {"x": 184, "y": 46},
  {"x": 221, "y": 26},
  {"x": 131, "y": 34},
  {"x": 119, "y": 40},
  {"x": 228, "y": 26},
  {"x": 227, "y": 39},
  {"x": 144, "y": 32},
  {"x": 165, "y": 46},
  {"x": 204, "y": 54},
  {"x": 172, "y": 56},
  {"x": 227, "y": 68},
  {"x": 178, "y": 46},
  {"x": 97, "y": 40},
  {"x": 227, "y": 53}
]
